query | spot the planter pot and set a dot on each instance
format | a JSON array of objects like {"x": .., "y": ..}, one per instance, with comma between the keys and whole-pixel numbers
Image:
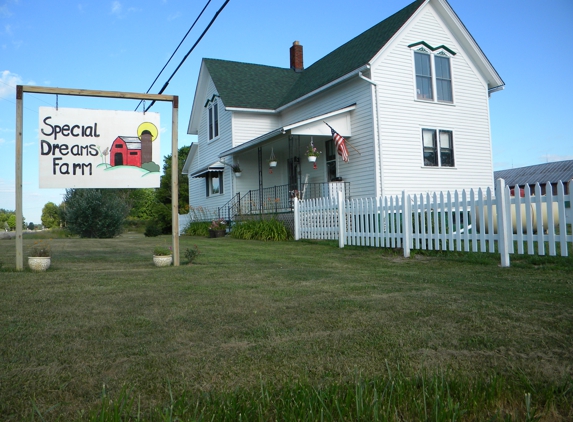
[
  {"x": 311, "y": 158},
  {"x": 272, "y": 163},
  {"x": 238, "y": 174},
  {"x": 39, "y": 263},
  {"x": 217, "y": 233},
  {"x": 162, "y": 260}
]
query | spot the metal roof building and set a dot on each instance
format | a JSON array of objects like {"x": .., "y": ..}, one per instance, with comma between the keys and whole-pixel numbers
[{"x": 539, "y": 173}]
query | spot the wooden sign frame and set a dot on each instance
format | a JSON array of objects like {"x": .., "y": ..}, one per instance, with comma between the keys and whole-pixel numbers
[{"x": 174, "y": 99}]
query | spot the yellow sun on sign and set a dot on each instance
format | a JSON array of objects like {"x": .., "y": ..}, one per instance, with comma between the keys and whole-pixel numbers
[{"x": 149, "y": 127}]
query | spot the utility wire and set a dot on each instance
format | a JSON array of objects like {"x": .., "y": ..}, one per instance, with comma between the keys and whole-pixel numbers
[
  {"x": 189, "y": 52},
  {"x": 161, "y": 71}
]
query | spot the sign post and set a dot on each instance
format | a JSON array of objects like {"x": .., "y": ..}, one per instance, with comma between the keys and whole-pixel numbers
[{"x": 72, "y": 153}]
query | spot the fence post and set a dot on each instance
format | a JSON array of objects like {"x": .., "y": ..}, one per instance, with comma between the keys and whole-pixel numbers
[
  {"x": 502, "y": 223},
  {"x": 296, "y": 219},
  {"x": 406, "y": 224},
  {"x": 341, "y": 220}
]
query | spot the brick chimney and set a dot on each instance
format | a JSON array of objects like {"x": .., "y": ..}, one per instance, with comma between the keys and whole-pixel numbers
[{"x": 296, "y": 63}]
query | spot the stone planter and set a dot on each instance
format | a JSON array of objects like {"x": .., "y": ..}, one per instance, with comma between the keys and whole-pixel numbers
[
  {"x": 217, "y": 233},
  {"x": 162, "y": 260},
  {"x": 39, "y": 263},
  {"x": 311, "y": 158}
]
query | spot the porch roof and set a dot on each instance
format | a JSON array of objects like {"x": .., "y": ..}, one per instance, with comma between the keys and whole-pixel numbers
[
  {"x": 338, "y": 119},
  {"x": 216, "y": 167}
]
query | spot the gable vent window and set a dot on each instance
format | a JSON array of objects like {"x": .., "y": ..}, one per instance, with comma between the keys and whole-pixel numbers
[
  {"x": 213, "y": 121},
  {"x": 438, "y": 146},
  {"x": 433, "y": 74}
]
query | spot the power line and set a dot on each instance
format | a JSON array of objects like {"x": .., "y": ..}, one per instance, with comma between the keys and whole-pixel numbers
[
  {"x": 189, "y": 52},
  {"x": 161, "y": 71}
]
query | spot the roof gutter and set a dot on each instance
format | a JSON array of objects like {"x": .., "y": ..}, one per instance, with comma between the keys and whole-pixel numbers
[
  {"x": 377, "y": 140},
  {"x": 495, "y": 89},
  {"x": 252, "y": 110},
  {"x": 325, "y": 87}
]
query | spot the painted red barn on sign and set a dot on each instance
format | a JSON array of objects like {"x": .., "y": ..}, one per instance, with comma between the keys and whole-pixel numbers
[{"x": 126, "y": 151}]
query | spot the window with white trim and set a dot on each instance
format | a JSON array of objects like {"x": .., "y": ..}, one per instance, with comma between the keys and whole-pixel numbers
[
  {"x": 438, "y": 147},
  {"x": 214, "y": 183},
  {"x": 433, "y": 75},
  {"x": 213, "y": 120}
]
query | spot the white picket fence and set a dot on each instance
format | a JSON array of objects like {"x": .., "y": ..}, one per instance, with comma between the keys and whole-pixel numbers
[{"x": 474, "y": 221}]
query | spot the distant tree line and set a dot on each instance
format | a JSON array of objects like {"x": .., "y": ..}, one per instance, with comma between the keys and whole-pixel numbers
[{"x": 8, "y": 220}]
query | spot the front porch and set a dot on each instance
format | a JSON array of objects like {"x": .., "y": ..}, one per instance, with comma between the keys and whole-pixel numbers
[
  {"x": 276, "y": 167},
  {"x": 278, "y": 199}
]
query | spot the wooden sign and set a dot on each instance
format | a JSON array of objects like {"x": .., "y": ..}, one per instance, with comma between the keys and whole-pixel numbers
[{"x": 81, "y": 148}]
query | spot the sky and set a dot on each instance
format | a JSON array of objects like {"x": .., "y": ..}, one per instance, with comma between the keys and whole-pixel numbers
[{"x": 122, "y": 45}]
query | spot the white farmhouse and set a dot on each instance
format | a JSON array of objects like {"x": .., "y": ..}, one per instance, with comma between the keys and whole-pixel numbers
[{"x": 409, "y": 95}]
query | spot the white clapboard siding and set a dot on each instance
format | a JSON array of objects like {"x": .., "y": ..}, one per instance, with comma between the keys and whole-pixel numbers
[
  {"x": 402, "y": 117},
  {"x": 467, "y": 221}
]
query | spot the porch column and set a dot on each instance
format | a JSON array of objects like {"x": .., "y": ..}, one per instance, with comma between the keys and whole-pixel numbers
[{"x": 260, "y": 153}]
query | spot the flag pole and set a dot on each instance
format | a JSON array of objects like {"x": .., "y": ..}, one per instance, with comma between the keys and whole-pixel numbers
[{"x": 344, "y": 138}]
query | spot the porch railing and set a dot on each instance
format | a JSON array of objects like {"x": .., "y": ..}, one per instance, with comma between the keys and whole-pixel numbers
[{"x": 279, "y": 198}]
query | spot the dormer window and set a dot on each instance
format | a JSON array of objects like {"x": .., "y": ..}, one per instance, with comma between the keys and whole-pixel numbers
[
  {"x": 433, "y": 72},
  {"x": 213, "y": 120}
]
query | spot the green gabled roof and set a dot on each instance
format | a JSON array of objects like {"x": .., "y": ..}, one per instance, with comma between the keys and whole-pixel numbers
[
  {"x": 255, "y": 86},
  {"x": 352, "y": 55},
  {"x": 248, "y": 85}
]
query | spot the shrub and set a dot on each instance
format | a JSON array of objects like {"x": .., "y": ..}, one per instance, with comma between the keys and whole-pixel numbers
[
  {"x": 191, "y": 253},
  {"x": 272, "y": 229},
  {"x": 152, "y": 229},
  {"x": 95, "y": 213},
  {"x": 198, "y": 228}
]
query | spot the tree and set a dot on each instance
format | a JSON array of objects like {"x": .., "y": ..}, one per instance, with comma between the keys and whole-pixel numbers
[
  {"x": 51, "y": 216},
  {"x": 12, "y": 221},
  {"x": 4, "y": 215},
  {"x": 162, "y": 208},
  {"x": 142, "y": 202},
  {"x": 95, "y": 213},
  {"x": 31, "y": 226}
]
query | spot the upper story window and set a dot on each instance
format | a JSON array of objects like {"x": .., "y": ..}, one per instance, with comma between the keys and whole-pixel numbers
[
  {"x": 438, "y": 148},
  {"x": 423, "y": 77},
  {"x": 213, "y": 120},
  {"x": 433, "y": 73},
  {"x": 443, "y": 78}
]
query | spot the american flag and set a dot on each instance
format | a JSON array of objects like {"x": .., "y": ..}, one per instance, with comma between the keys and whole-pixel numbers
[{"x": 340, "y": 143}]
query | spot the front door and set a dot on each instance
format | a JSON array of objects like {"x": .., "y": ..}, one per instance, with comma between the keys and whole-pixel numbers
[{"x": 294, "y": 163}]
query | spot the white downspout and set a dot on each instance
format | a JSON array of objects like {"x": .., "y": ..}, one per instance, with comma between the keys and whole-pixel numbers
[{"x": 377, "y": 146}]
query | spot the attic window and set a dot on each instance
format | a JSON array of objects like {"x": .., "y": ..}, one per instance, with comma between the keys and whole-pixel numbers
[
  {"x": 433, "y": 73},
  {"x": 213, "y": 120}
]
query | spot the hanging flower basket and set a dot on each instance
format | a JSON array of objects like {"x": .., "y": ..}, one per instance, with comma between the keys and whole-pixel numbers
[
  {"x": 272, "y": 159},
  {"x": 238, "y": 173},
  {"x": 312, "y": 152}
]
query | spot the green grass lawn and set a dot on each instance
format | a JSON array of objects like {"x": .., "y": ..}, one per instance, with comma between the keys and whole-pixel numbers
[{"x": 283, "y": 331}]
